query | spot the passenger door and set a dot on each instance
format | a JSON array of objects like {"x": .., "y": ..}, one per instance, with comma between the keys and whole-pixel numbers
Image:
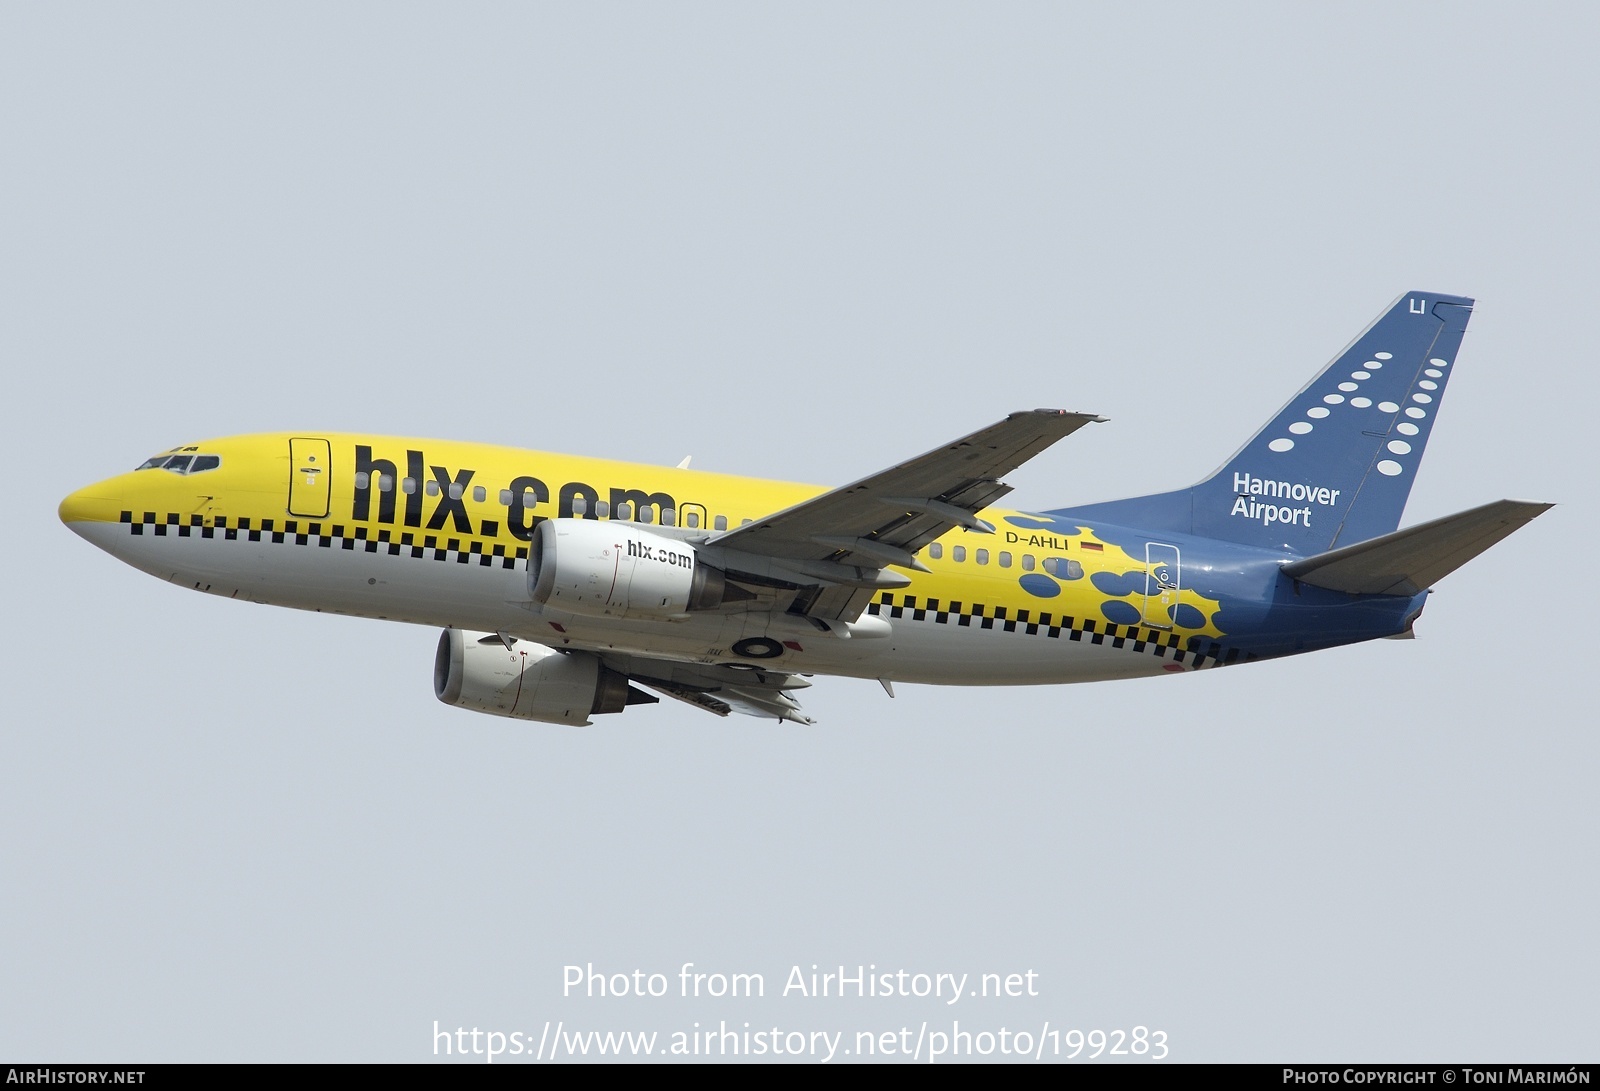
[
  {"x": 310, "y": 473},
  {"x": 1161, "y": 584}
]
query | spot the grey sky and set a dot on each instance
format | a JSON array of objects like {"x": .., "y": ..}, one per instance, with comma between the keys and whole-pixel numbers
[{"x": 802, "y": 243}]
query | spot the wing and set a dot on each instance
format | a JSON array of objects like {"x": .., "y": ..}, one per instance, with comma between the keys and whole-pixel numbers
[
  {"x": 834, "y": 548},
  {"x": 718, "y": 689}
]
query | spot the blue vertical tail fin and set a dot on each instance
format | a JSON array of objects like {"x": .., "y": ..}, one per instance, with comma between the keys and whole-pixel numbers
[{"x": 1335, "y": 466}]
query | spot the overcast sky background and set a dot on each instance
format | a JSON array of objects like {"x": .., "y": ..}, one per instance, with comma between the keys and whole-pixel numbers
[{"x": 802, "y": 242}]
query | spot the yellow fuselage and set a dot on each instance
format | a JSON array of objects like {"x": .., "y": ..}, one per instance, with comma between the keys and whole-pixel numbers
[{"x": 437, "y": 532}]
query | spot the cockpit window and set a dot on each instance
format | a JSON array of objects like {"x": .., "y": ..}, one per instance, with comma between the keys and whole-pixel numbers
[{"x": 182, "y": 464}]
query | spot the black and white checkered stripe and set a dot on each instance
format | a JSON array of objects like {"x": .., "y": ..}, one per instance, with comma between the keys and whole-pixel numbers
[
  {"x": 1197, "y": 651},
  {"x": 326, "y": 536}
]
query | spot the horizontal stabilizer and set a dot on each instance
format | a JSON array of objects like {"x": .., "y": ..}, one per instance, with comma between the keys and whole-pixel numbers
[{"x": 1410, "y": 560}]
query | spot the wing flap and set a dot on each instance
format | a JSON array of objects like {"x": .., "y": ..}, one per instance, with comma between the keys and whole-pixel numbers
[{"x": 718, "y": 689}]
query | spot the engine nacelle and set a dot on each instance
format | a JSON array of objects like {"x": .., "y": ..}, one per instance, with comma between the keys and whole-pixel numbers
[
  {"x": 527, "y": 681},
  {"x": 617, "y": 569}
]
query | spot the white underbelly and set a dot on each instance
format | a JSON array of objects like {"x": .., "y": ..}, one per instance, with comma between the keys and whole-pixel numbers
[{"x": 472, "y": 591}]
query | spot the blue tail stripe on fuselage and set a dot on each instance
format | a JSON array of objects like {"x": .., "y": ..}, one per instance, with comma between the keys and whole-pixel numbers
[
  {"x": 1336, "y": 464},
  {"x": 1260, "y": 613}
]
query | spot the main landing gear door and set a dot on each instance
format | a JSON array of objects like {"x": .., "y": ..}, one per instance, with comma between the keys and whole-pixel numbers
[
  {"x": 310, "y": 470},
  {"x": 1161, "y": 584}
]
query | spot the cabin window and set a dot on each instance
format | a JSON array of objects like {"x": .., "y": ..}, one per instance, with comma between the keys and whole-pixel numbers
[
  {"x": 623, "y": 510},
  {"x": 478, "y": 493},
  {"x": 602, "y": 508},
  {"x": 1027, "y": 562},
  {"x": 721, "y": 523},
  {"x": 958, "y": 553},
  {"x": 692, "y": 519},
  {"x": 647, "y": 513},
  {"x": 386, "y": 482},
  {"x": 1005, "y": 559},
  {"x": 936, "y": 551},
  {"x": 981, "y": 556},
  {"x": 580, "y": 506},
  {"x": 363, "y": 479},
  {"x": 745, "y": 522},
  {"x": 408, "y": 485},
  {"x": 431, "y": 488},
  {"x": 1063, "y": 568},
  {"x": 505, "y": 497},
  {"x": 669, "y": 517},
  {"x": 457, "y": 490}
]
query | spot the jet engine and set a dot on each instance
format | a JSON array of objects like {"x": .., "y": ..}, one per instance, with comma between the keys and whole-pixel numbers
[
  {"x": 527, "y": 681},
  {"x": 616, "y": 569}
]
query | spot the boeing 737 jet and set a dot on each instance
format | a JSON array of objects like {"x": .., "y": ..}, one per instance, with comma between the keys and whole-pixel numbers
[{"x": 568, "y": 587}]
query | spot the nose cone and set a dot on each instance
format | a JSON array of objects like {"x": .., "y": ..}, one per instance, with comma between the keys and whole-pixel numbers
[{"x": 93, "y": 506}]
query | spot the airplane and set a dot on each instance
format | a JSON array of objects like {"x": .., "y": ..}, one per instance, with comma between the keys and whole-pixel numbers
[{"x": 568, "y": 587}]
